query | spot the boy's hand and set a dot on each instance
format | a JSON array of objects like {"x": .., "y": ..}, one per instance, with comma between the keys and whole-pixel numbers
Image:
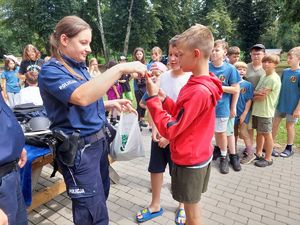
[
  {"x": 152, "y": 88},
  {"x": 232, "y": 113},
  {"x": 296, "y": 114},
  {"x": 155, "y": 135},
  {"x": 163, "y": 142},
  {"x": 162, "y": 95},
  {"x": 242, "y": 118}
]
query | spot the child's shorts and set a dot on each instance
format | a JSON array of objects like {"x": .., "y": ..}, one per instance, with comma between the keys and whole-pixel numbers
[
  {"x": 289, "y": 117},
  {"x": 230, "y": 127},
  {"x": 189, "y": 183},
  {"x": 221, "y": 124},
  {"x": 159, "y": 158},
  {"x": 262, "y": 124}
]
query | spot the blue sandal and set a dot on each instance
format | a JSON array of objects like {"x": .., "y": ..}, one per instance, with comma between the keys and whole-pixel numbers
[
  {"x": 286, "y": 153},
  {"x": 180, "y": 217},
  {"x": 146, "y": 215}
]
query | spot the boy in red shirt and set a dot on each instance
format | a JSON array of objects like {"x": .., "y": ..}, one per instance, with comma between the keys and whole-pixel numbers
[{"x": 189, "y": 123}]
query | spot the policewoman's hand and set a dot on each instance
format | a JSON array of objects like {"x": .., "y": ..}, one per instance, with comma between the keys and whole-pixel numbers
[
  {"x": 133, "y": 67},
  {"x": 23, "y": 158},
  {"x": 3, "y": 218},
  {"x": 122, "y": 105}
]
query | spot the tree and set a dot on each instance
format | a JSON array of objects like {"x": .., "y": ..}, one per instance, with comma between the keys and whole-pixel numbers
[
  {"x": 291, "y": 11},
  {"x": 100, "y": 27},
  {"x": 126, "y": 42},
  {"x": 253, "y": 19}
]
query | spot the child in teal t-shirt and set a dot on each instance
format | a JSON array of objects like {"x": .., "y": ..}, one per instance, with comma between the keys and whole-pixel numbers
[{"x": 289, "y": 100}]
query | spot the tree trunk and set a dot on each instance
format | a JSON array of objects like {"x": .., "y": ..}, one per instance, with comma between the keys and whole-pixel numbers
[
  {"x": 100, "y": 27},
  {"x": 126, "y": 42}
]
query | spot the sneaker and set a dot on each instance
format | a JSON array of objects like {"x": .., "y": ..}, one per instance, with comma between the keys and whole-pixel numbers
[
  {"x": 234, "y": 160},
  {"x": 142, "y": 123},
  {"x": 216, "y": 153},
  {"x": 224, "y": 165},
  {"x": 263, "y": 162},
  {"x": 248, "y": 158}
]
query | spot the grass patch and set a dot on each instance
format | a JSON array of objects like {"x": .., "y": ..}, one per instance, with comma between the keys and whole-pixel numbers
[{"x": 281, "y": 135}]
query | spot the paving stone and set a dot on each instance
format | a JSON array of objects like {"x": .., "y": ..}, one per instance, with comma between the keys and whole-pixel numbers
[{"x": 253, "y": 196}]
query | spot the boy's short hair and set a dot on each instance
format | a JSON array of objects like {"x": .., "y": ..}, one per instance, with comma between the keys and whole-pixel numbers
[
  {"x": 295, "y": 51},
  {"x": 197, "y": 36},
  {"x": 271, "y": 58},
  {"x": 240, "y": 64},
  {"x": 221, "y": 43},
  {"x": 233, "y": 50}
]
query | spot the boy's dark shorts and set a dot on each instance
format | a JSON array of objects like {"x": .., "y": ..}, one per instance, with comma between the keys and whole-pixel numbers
[
  {"x": 159, "y": 158},
  {"x": 262, "y": 124},
  {"x": 189, "y": 183}
]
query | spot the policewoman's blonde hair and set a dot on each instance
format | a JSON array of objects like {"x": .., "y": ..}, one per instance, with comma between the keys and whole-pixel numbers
[{"x": 70, "y": 26}]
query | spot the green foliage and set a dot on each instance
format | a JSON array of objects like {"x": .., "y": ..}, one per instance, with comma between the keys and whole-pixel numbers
[
  {"x": 154, "y": 22},
  {"x": 218, "y": 19}
]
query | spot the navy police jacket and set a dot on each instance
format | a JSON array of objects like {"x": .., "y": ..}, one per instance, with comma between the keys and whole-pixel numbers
[
  {"x": 56, "y": 85},
  {"x": 11, "y": 135}
]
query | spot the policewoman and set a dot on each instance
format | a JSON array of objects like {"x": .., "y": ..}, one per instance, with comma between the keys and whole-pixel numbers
[
  {"x": 74, "y": 105},
  {"x": 12, "y": 157}
]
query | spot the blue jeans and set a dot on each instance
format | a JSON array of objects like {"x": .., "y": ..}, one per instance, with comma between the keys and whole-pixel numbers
[
  {"x": 11, "y": 199},
  {"x": 88, "y": 184}
]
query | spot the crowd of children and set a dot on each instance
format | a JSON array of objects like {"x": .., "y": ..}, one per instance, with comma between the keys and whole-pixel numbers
[{"x": 207, "y": 91}]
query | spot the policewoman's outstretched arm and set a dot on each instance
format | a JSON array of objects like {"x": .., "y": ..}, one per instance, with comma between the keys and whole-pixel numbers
[{"x": 96, "y": 88}]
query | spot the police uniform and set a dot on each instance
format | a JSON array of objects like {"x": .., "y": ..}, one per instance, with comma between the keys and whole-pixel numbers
[
  {"x": 11, "y": 144},
  {"x": 88, "y": 180}
]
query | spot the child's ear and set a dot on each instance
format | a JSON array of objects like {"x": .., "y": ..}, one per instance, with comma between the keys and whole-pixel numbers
[{"x": 197, "y": 52}]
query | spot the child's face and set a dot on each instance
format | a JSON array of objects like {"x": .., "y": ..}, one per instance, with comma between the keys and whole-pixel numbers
[
  {"x": 185, "y": 57},
  {"x": 139, "y": 55},
  {"x": 31, "y": 54},
  {"x": 242, "y": 71},
  {"x": 257, "y": 55},
  {"x": 218, "y": 54},
  {"x": 293, "y": 60},
  {"x": 155, "y": 56},
  {"x": 173, "y": 58},
  {"x": 269, "y": 67},
  {"x": 11, "y": 65},
  {"x": 233, "y": 58}
]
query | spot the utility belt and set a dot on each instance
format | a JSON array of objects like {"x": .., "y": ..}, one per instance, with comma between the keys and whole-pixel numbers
[
  {"x": 65, "y": 146},
  {"x": 8, "y": 168},
  {"x": 88, "y": 140}
]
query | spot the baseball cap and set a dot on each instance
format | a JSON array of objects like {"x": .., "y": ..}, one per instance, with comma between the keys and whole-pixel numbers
[
  {"x": 122, "y": 57},
  {"x": 258, "y": 46},
  {"x": 13, "y": 58}
]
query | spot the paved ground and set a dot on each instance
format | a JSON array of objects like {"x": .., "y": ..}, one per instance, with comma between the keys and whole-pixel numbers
[{"x": 253, "y": 196}]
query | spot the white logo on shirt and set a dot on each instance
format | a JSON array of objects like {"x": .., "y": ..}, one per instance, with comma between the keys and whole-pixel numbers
[{"x": 64, "y": 85}]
